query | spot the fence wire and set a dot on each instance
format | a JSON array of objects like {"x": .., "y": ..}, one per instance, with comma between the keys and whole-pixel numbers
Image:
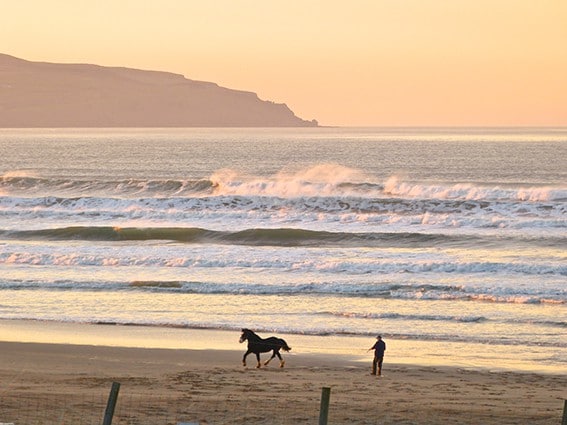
[{"x": 145, "y": 408}]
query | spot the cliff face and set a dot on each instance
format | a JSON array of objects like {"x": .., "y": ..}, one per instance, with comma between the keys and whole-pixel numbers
[{"x": 38, "y": 94}]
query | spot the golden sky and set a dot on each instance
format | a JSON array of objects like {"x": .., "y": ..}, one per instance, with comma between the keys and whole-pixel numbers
[{"x": 351, "y": 63}]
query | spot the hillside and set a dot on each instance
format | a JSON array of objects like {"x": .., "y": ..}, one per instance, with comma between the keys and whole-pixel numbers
[{"x": 39, "y": 94}]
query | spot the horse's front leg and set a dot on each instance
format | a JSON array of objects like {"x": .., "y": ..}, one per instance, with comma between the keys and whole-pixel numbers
[
  {"x": 244, "y": 358},
  {"x": 258, "y": 358}
]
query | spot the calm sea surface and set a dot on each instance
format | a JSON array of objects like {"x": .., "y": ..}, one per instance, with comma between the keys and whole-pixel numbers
[{"x": 450, "y": 243}]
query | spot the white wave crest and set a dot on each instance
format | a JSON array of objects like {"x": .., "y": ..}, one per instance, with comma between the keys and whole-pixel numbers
[
  {"x": 318, "y": 180},
  {"x": 467, "y": 191}
]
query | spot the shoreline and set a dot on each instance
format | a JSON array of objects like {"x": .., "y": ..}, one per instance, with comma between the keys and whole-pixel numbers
[{"x": 346, "y": 347}]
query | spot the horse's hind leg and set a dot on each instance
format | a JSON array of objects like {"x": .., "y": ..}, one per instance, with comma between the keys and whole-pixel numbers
[
  {"x": 270, "y": 359},
  {"x": 258, "y": 358},
  {"x": 282, "y": 361},
  {"x": 276, "y": 353}
]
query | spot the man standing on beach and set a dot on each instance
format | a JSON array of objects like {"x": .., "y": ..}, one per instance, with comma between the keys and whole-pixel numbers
[{"x": 379, "y": 347}]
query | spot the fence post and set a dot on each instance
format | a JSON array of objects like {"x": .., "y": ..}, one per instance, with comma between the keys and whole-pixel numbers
[
  {"x": 112, "y": 399},
  {"x": 324, "y": 412},
  {"x": 564, "y": 421}
]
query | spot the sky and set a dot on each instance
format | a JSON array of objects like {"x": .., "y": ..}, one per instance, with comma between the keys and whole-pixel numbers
[{"x": 343, "y": 63}]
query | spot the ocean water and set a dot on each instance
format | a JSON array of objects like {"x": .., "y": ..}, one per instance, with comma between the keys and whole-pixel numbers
[{"x": 451, "y": 243}]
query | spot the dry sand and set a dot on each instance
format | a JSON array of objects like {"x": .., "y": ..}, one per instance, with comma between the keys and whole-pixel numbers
[{"x": 62, "y": 383}]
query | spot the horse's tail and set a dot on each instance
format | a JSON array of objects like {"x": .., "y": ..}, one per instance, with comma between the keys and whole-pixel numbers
[{"x": 285, "y": 347}]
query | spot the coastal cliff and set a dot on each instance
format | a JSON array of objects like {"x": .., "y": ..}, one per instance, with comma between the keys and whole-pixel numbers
[{"x": 40, "y": 94}]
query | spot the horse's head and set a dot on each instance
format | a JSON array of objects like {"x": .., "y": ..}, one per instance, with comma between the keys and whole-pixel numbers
[{"x": 244, "y": 336}]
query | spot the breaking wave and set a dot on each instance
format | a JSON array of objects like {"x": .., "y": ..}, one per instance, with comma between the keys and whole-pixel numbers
[{"x": 323, "y": 180}]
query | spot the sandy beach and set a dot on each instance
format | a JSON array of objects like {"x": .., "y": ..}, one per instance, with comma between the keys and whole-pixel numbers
[{"x": 69, "y": 383}]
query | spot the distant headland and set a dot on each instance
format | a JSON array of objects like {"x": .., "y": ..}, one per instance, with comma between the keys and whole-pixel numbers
[{"x": 41, "y": 94}]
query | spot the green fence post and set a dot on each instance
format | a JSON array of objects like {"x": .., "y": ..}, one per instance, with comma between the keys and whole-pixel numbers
[
  {"x": 324, "y": 412},
  {"x": 112, "y": 399}
]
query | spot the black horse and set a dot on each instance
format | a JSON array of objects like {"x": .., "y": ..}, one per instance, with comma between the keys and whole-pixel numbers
[{"x": 259, "y": 345}]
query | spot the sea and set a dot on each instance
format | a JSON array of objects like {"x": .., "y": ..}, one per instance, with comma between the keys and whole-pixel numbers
[{"x": 451, "y": 243}]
